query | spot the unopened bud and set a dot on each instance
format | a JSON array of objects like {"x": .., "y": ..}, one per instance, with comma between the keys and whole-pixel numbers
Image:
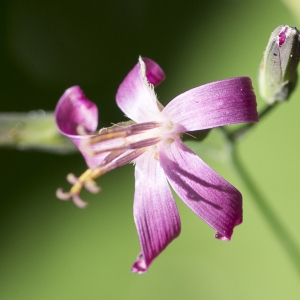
[{"x": 278, "y": 69}]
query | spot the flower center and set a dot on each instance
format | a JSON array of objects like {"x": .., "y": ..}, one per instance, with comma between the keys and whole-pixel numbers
[{"x": 114, "y": 147}]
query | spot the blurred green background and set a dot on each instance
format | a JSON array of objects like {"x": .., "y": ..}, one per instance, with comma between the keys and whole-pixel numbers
[{"x": 53, "y": 250}]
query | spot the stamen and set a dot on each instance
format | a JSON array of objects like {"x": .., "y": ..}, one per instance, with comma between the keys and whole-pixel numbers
[
  {"x": 109, "y": 135},
  {"x": 87, "y": 179},
  {"x": 92, "y": 187},
  {"x": 133, "y": 145},
  {"x": 145, "y": 143},
  {"x": 120, "y": 124},
  {"x": 111, "y": 156},
  {"x": 71, "y": 178},
  {"x": 85, "y": 146},
  {"x": 60, "y": 194},
  {"x": 79, "y": 202},
  {"x": 119, "y": 132},
  {"x": 129, "y": 157},
  {"x": 139, "y": 128}
]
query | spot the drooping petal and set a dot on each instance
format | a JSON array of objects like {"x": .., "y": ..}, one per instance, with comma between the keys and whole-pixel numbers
[
  {"x": 219, "y": 103},
  {"x": 74, "y": 112},
  {"x": 135, "y": 97},
  {"x": 74, "y": 109},
  {"x": 155, "y": 211},
  {"x": 212, "y": 198}
]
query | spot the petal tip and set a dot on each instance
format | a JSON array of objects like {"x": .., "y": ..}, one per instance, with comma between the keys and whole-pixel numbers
[
  {"x": 222, "y": 237},
  {"x": 154, "y": 73},
  {"x": 140, "y": 266}
]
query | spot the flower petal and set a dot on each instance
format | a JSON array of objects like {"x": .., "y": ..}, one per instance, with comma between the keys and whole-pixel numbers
[
  {"x": 73, "y": 111},
  {"x": 155, "y": 211},
  {"x": 135, "y": 97},
  {"x": 212, "y": 198},
  {"x": 219, "y": 103}
]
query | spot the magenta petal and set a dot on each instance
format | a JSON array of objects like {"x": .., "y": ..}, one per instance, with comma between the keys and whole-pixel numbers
[
  {"x": 74, "y": 109},
  {"x": 154, "y": 73},
  {"x": 155, "y": 211},
  {"x": 135, "y": 96},
  {"x": 212, "y": 198},
  {"x": 219, "y": 103}
]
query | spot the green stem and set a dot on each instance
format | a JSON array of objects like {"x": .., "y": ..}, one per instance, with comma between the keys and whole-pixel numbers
[
  {"x": 33, "y": 130},
  {"x": 277, "y": 227}
]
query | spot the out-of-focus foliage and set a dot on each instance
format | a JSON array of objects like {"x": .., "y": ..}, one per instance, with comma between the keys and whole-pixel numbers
[{"x": 52, "y": 250}]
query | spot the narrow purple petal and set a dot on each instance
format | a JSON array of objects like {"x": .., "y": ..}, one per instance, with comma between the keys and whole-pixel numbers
[
  {"x": 155, "y": 211},
  {"x": 219, "y": 103},
  {"x": 73, "y": 111},
  {"x": 212, "y": 198},
  {"x": 135, "y": 97}
]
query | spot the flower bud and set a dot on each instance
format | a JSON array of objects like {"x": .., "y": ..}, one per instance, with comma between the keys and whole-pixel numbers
[{"x": 278, "y": 69}]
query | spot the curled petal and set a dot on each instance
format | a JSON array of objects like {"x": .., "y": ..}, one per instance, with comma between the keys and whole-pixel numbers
[
  {"x": 155, "y": 212},
  {"x": 219, "y": 103},
  {"x": 73, "y": 110},
  {"x": 155, "y": 75},
  {"x": 76, "y": 117},
  {"x": 212, "y": 198},
  {"x": 135, "y": 97}
]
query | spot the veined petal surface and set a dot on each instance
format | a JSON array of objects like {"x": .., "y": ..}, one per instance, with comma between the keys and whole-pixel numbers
[
  {"x": 135, "y": 97},
  {"x": 210, "y": 196},
  {"x": 155, "y": 212},
  {"x": 219, "y": 103}
]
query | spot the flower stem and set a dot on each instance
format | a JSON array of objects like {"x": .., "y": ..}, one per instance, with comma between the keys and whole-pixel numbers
[
  {"x": 33, "y": 130},
  {"x": 277, "y": 227},
  {"x": 237, "y": 134}
]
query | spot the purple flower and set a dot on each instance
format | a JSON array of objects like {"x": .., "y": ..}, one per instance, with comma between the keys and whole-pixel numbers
[{"x": 152, "y": 140}]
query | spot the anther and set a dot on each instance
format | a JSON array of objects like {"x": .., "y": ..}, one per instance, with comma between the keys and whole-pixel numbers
[
  {"x": 78, "y": 201},
  {"x": 72, "y": 179},
  {"x": 86, "y": 180},
  {"x": 92, "y": 187},
  {"x": 60, "y": 194}
]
